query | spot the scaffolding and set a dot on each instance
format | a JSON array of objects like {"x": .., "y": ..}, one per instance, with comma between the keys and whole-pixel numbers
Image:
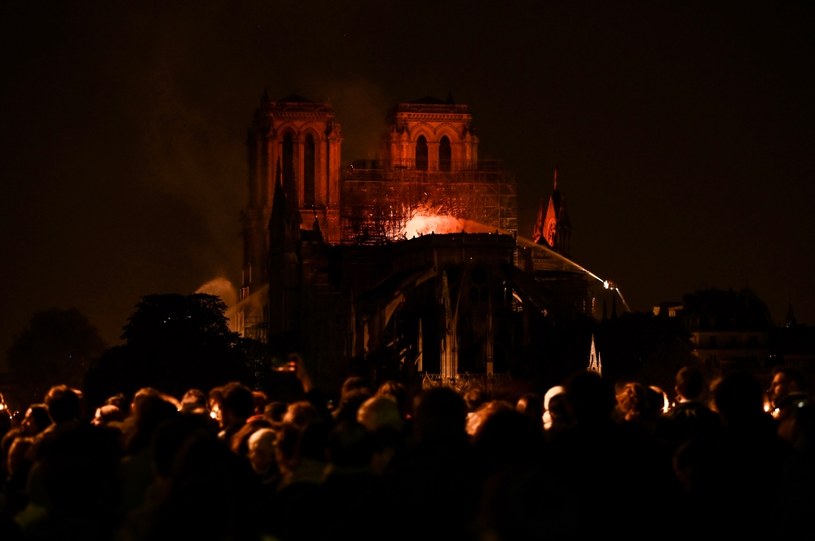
[{"x": 379, "y": 202}]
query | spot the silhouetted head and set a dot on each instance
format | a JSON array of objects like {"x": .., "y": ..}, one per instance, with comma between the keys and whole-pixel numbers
[
  {"x": 507, "y": 436},
  {"x": 350, "y": 445},
  {"x": 476, "y": 418},
  {"x": 738, "y": 397},
  {"x": 261, "y": 445},
  {"x": 194, "y": 401},
  {"x": 786, "y": 381},
  {"x": 591, "y": 398},
  {"x": 237, "y": 403},
  {"x": 690, "y": 383},
  {"x": 440, "y": 415},
  {"x": 398, "y": 392},
  {"x": 63, "y": 403},
  {"x": 300, "y": 414},
  {"x": 379, "y": 411},
  {"x": 354, "y": 383},
  {"x": 36, "y": 419},
  {"x": 475, "y": 397},
  {"x": 531, "y": 405},
  {"x": 632, "y": 400}
]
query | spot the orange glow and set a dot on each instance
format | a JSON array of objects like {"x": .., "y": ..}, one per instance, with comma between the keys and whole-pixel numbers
[
  {"x": 426, "y": 221},
  {"x": 425, "y": 225}
]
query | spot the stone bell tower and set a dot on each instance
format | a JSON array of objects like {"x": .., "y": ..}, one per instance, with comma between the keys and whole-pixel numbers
[
  {"x": 302, "y": 139},
  {"x": 432, "y": 135}
]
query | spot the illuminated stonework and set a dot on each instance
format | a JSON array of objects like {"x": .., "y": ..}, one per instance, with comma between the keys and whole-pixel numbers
[
  {"x": 408, "y": 265},
  {"x": 428, "y": 180}
]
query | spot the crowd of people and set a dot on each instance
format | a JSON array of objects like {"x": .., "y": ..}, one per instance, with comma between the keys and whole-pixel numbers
[{"x": 718, "y": 459}]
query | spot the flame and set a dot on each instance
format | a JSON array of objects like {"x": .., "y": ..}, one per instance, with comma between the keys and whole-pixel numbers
[
  {"x": 424, "y": 225},
  {"x": 427, "y": 219}
]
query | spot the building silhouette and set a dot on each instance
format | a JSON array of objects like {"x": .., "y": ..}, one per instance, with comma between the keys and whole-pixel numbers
[{"x": 407, "y": 266}]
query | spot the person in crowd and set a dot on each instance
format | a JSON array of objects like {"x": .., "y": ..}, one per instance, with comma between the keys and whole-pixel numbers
[
  {"x": 304, "y": 473},
  {"x": 632, "y": 401},
  {"x": 380, "y": 411},
  {"x": 531, "y": 405},
  {"x": 301, "y": 457},
  {"x": 194, "y": 401},
  {"x": 690, "y": 416},
  {"x": 208, "y": 491},
  {"x": 796, "y": 499},
  {"x": 5, "y": 447},
  {"x": 399, "y": 393},
  {"x": 506, "y": 438},
  {"x": 381, "y": 416},
  {"x": 237, "y": 405},
  {"x": 214, "y": 399},
  {"x": 64, "y": 406},
  {"x": 476, "y": 418},
  {"x": 239, "y": 442},
  {"x": 73, "y": 486},
  {"x": 631, "y": 471},
  {"x": 149, "y": 410},
  {"x": 436, "y": 471},
  {"x": 739, "y": 470},
  {"x": 350, "y": 487},
  {"x": 36, "y": 419},
  {"x": 120, "y": 401},
  {"x": 300, "y": 414},
  {"x": 640, "y": 406},
  {"x": 261, "y": 454},
  {"x": 275, "y": 410},
  {"x": 475, "y": 397},
  {"x": 556, "y": 413},
  {"x": 17, "y": 467},
  {"x": 788, "y": 390},
  {"x": 108, "y": 414},
  {"x": 354, "y": 391},
  {"x": 511, "y": 451}
]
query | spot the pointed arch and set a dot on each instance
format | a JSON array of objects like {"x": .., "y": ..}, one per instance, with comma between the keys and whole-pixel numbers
[
  {"x": 287, "y": 165},
  {"x": 421, "y": 153},
  {"x": 445, "y": 154},
  {"x": 309, "y": 170}
]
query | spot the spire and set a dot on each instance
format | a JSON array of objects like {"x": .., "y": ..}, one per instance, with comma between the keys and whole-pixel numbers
[
  {"x": 277, "y": 219},
  {"x": 279, "y": 199},
  {"x": 595, "y": 364},
  {"x": 550, "y": 222}
]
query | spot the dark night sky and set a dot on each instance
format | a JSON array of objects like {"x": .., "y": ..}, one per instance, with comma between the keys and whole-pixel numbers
[{"x": 682, "y": 132}]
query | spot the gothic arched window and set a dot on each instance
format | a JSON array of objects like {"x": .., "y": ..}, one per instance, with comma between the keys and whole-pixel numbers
[
  {"x": 421, "y": 153},
  {"x": 445, "y": 155},
  {"x": 288, "y": 167},
  {"x": 309, "y": 169}
]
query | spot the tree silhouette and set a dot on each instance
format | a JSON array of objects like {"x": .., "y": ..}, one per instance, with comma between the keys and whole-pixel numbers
[
  {"x": 56, "y": 346},
  {"x": 173, "y": 342}
]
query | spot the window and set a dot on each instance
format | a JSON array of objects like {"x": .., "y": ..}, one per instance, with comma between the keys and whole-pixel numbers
[
  {"x": 445, "y": 155},
  {"x": 421, "y": 153},
  {"x": 309, "y": 168},
  {"x": 288, "y": 166}
]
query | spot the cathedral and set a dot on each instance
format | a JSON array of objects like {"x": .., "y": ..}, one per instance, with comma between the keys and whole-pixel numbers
[{"x": 409, "y": 266}]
